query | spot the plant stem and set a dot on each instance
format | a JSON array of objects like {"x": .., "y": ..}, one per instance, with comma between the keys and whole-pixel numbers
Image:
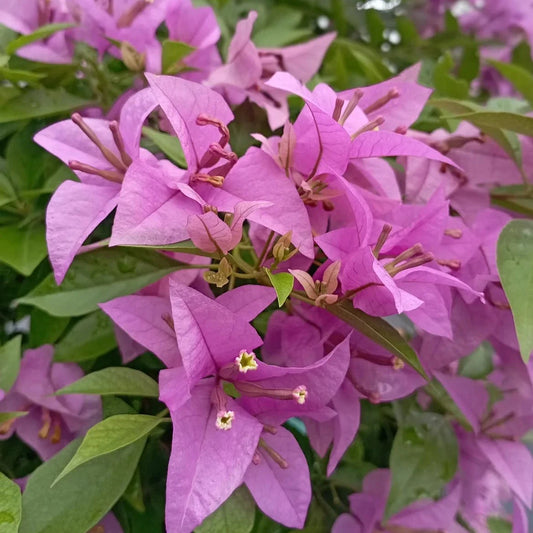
[{"x": 265, "y": 250}]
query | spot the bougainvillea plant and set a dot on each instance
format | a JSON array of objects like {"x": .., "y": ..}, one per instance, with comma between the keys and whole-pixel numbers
[{"x": 266, "y": 266}]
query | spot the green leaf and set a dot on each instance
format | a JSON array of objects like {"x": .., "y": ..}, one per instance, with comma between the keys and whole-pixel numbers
[
  {"x": 41, "y": 102},
  {"x": 236, "y": 514},
  {"x": 453, "y": 106},
  {"x": 168, "y": 144},
  {"x": 99, "y": 276},
  {"x": 63, "y": 173},
  {"x": 445, "y": 83},
  {"x": 499, "y": 119},
  {"x": 477, "y": 365},
  {"x": 6, "y": 36},
  {"x": 10, "y": 505},
  {"x": 451, "y": 24},
  {"x": 423, "y": 459},
  {"x": 317, "y": 521},
  {"x": 173, "y": 53},
  {"x": 6, "y": 416},
  {"x": 111, "y": 405},
  {"x": 41, "y": 33},
  {"x": 469, "y": 67},
  {"x": 282, "y": 283},
  {"x": 439, "y": 394},
  {"x": 497, "y": 524},
  {"x": 521, "y": 79},
  {"x": 348, "y": 61},
  {"x": 370, "y": 61},
  {"x": 517, "y": 198},
  {"x": 279, "y": 27},
  {"x": 521, "y": 55},
  {"x": 506, "y": 139},
  {"x": 7, "y": 193},
  {"x": 78, "y": 502},
  {"x": 378, "y": 330},
  {"x": 89, "y": 338},
  {"x": 25, "y": 159},
  {"x": 505, "y": 103},
  {"x": 134, "y": 493},
  {"x": 110, "y": 435},
  {"x": 114, "y": 380},
  {"x": 184, "y": 247},
  {"x": 375, "y": 27},
  {"x": 338, "y": 15},
  {"x": 515, "y": 266},
  {"x": 407, "y": 30},
  {"x": 15, "y": 76},
  {"x": 10, "y": 354},
  {"x": 23, "y": 248},
  {"x": 44, "y": 328}
]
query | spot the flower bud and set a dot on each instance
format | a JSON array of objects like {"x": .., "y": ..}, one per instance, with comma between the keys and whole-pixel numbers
[
  {"x": 281, "y": 250},
  {"x": 132, "y": 59}
]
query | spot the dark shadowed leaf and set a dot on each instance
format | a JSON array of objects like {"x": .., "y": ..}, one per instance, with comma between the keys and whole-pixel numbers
[
  {"x": 44, "y": 328},
  {"x": 236, "y": 514}
]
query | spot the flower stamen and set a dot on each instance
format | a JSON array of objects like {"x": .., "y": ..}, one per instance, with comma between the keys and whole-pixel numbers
[
  {"x": 299, "y": 393},
  {"x": 224, "y": 419},
  {"x": 127, "y": 18},
  {"x": 372, "y": 125},
  {"x": 246, "y": 361},
  {"x": 352, "y": 104},
  {"x": 380, "y": 102},
  {"x": 106, "y": 152},
  {"x": 276, "y": 457},
  {"x": 47, "y": 423}
]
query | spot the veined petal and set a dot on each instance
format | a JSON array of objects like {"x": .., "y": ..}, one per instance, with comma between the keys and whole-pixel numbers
[
  {"x": 283, "y": 494},
  {"x": 182, "y": 102},
  {"x": 401, "y": 111},
  {"x": 469, "y": 395},
  {"x": 73, "y": 213},
  {"x": 132, "y": 117},
  {"x": 256, "y": 177},
  {"x": 146, "y": 320},
  {"x": 206, "y": 464},
  {"x": 150, "y": 212},
  {"x": 387, "y": 144},
  {"x": 209, "y": 233},
  {"x": 513, "y": 461},
  {"x": 247, "y": 301},
  {"x": 303, "y": 60},
  {"x": 209, "y": 335}
]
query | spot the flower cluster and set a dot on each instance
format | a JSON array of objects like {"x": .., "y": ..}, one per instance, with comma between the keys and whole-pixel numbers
[{"x": 359, "y": 237}]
